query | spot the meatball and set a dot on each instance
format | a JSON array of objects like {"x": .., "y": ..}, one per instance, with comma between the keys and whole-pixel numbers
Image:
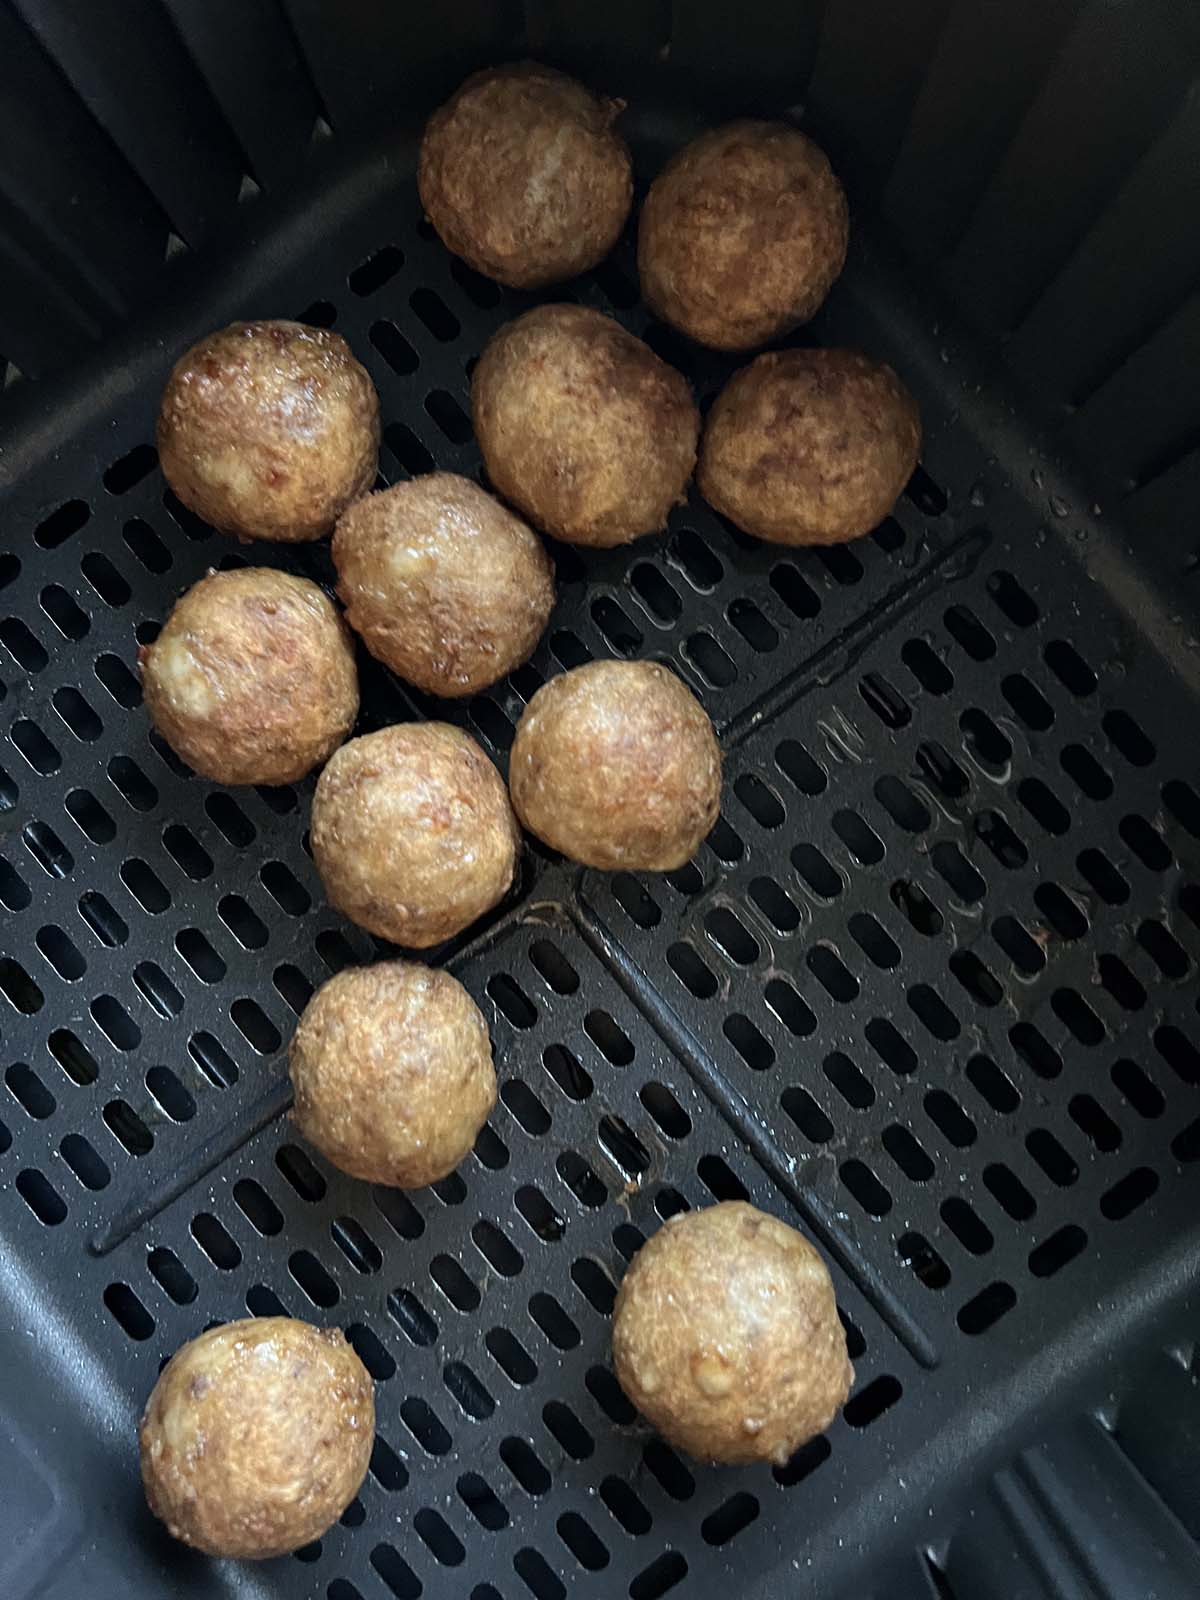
[
  {"x": 412, "y": 832},
  {"x": 582, "y": 426},
  {"x": 252, "y": 679},
  {"x": 726, "y": 1336},
  {"x": 269, "y": 430},
  {"x": 742, "y": 235},
  {"x": 616, "y": 765},
  {"x": 257, "y": 1436},
  {"x": 524, "y": 176},
  {"x": 392, "y": 1068},
  {"x": 809, "y": 446},
  {"x": 445, "y": 585}
]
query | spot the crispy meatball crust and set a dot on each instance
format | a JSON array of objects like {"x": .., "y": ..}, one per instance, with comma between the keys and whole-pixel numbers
[
  {"x": 809, "y": 446},
  {"x": 524, "y": 176},
  {"x": 446, "y": 586},
  {"x": 413, "y": 833},
  {"x": 392, "y": 1068},
  {"x": 269, "y": 430},
  {"x": 742, "y": 235},
  {"x": 257, "y": 1436},
  {"x": 726, "y": 1336},
  {"x": 582, "y": 426},
  {"x": 252, "y": 679},
  {"x": 616, "y": 765}
]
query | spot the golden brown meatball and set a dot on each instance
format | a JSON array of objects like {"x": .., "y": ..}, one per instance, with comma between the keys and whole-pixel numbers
[
  {"x": 809, "y": 446},
  {"x": 445, "y": 585},
  {"x": 616, "y": 764},
  {"x": 269, "y": 430},
  {"x": 257, "y": 1436},
  {"x": 413, "y": 833},
  {"x": 726, "y": 1336},
  {"x": 523, "y": 175},
  {"x": 252, "y": 679},
  {"x": 582, "y": 426},
  {"x": 742, "y": 235},
  {"x": 392, "y": 1068}
]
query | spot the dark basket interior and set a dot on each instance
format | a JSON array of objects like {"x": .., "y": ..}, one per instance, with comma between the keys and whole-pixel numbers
[{"x": 928, "y": 991}]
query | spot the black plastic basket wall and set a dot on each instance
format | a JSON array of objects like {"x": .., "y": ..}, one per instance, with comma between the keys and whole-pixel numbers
[{"x": 929, "y": 990}]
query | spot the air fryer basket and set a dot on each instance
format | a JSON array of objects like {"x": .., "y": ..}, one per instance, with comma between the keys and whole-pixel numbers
[{"x": 929, "y": 989}]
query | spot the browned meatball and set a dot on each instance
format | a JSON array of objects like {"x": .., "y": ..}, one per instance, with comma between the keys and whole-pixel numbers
[
  {"x": 523, "y": 175},
  {"x": 726, "y": 1336},
  {"x": 445, "y": 585},
  {"x": 809, "y": 446},
  {"x": 413, "y": 833},
  {"x": 616, "y": 764},
  {"x": 582, "y": 426},
  {"x": 742, "y": 235},
  {"x": 269, "y": 430},
  {"x": 392, "y": 1068},
  {"x": 257, "y": 1436},
  {"x": 252, "y": 679}
]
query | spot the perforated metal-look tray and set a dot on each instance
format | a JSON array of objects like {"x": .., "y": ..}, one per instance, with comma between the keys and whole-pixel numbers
[{"x": 928, "y": 992}]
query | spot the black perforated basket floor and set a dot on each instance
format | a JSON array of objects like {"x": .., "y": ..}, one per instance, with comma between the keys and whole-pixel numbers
[{"x": 928, "y": 992}]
